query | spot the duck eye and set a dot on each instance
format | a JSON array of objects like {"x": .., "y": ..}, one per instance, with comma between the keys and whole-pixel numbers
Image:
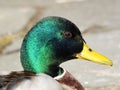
[{"x": 67, "y": 34}]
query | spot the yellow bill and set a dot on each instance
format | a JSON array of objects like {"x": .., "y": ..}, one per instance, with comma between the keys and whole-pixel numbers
[{"x": 91, "y": 55}]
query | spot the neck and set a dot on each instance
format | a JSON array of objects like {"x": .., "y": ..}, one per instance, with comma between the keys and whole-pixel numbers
[
  {"x": 54, "y": 71},
  {"x": 39, "y": 61}
]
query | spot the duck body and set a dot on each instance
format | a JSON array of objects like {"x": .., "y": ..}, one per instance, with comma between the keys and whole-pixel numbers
[
  {"x": 31, "y": 81},
  {"x": 52, "y": 41}
]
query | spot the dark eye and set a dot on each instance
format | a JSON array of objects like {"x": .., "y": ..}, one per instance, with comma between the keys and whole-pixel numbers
[{"x": 67, "y": 34}]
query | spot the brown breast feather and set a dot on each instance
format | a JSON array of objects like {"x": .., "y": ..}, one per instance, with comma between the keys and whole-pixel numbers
[{"x": 69, "y": 82}]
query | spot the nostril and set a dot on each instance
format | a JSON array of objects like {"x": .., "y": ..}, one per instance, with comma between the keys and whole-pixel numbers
[{"x": 90, "y": 49}]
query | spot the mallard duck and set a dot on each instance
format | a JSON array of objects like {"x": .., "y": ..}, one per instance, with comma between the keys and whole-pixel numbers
[{"x": 52, "y": 41}]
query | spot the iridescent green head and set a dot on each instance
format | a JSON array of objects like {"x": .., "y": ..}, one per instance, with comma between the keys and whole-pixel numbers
[{"x": 52, "y": 41}]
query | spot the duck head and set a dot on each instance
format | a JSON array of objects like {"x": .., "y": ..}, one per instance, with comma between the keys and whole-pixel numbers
[{"x": 52, "y": 41}]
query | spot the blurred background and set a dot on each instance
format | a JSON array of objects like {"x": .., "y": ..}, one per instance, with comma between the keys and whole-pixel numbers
[{"x": 98, "y": 20}]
